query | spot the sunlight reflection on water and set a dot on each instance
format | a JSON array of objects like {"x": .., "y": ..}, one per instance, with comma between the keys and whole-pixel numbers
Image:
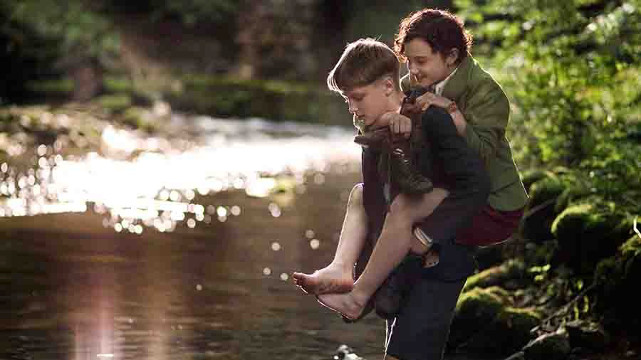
[{"x": 156, "y": 187}]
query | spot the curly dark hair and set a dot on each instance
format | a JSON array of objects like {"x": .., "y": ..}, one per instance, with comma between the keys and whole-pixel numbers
[{"x": 443, "y": 30}]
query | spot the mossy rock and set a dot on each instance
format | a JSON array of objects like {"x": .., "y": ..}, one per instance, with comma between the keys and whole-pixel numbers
[
  {"x": 540, "y": 210},
  {"x": 586, "y": 233},
  {"x": 531, "y": 176},
  {"x": 511, "y": 275},
  {"x": 506, "y": 334},
  {"x": 548, "y": 347},
  {"x": 474, "y": 310},
  {"x": 617, "y": 277},
  {"x": 573, "y": 193}
]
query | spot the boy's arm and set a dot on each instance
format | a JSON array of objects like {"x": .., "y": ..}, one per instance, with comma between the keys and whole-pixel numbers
[
  {"x": 461, "y": 165},
  {"x": 484, "y": 119}
]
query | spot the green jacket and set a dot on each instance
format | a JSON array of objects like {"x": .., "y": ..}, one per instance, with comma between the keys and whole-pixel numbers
[{"x": 487, "y": 110}]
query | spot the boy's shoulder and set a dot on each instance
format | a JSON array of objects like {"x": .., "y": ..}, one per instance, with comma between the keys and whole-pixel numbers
[{"x": 480, "y": 80}]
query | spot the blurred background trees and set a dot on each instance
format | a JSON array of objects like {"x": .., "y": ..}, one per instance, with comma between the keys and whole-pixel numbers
[{"x": 572, "y": 70}]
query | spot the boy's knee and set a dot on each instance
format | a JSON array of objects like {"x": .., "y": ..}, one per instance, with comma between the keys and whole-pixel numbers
[
  {"x": 401, "y": 206},
  {"x": 356, "y": 196}
]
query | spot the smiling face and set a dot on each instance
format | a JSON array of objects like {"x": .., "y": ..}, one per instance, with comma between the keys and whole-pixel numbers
[
  {"x": 427, "y": 67},
  {"x": 367, "y": 103}
]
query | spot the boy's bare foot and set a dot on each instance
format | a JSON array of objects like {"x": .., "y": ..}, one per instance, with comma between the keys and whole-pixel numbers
[
  {"x": 330, "y": 279},
  {"x": 346, "y": 304}
]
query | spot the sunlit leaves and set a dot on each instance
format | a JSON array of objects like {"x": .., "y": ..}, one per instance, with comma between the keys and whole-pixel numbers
[{"x": 571, "y": 69}]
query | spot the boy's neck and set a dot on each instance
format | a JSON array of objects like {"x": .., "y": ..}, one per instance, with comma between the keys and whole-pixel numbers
[{"x": 396, "y": 100}]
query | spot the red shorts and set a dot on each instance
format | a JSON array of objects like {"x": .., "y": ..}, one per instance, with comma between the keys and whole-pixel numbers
[{"x": 490, "y": 227}]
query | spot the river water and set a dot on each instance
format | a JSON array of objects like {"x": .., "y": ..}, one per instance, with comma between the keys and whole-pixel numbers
[{"x": 152, "y": 250}]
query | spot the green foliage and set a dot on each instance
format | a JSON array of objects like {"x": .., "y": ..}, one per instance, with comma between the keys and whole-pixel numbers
[
  {"x": 62, "y": 85},
  {"x": 275, "y": 100},
  {"x": 118, "y": 84},
  {"x": 571, "y": 69},
  {"x": 192, "y": 12},
  {"x": 81, "y": 31},
  {"x": 115, "y": 103}
]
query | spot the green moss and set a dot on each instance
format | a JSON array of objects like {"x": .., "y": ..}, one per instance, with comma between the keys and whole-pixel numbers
[
  {"x": 62, "y": 85},
  {"x": 573, "y": 192},
  {"x": 510, "y": 271},
  {"x": 115, "y": 103},
  {"x": 478, "y": 306},
  {"x": 540, "y": 211},
  {"x": 546, "y": 189},
  {"x": 515, "y": 325},
  {"x": 586, "y": 233},
  {"x": 574, "y": 219},
  {"x": 480, "y": 301},
  {"x": 523, "y": 319},
  {"x": 485, "y": 323},
  {"x": 117, "y": 84},
  {"x": 475, "y": 309},
  {"x": 531, "y": 176}
]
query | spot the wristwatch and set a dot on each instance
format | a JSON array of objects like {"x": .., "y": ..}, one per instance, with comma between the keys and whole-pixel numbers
[{"x": 451, "y": 108}]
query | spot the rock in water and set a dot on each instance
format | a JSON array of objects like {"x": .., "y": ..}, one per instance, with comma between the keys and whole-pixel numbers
[{"x": 344, "y": 352}]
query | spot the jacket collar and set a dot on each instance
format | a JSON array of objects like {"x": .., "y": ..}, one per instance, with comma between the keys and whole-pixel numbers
[{"x": 456, "y": 84}]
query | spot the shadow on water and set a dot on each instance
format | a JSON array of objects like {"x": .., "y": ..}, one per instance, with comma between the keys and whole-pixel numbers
[{"x": 102, "y": 283}]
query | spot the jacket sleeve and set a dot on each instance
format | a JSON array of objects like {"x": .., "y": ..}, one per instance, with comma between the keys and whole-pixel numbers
[{"x": 486, "y": 112}]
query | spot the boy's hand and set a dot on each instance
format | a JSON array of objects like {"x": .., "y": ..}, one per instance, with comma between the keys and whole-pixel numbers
[
  {"x": 399, "y": 125},
  {"x": 427, "y": 99}
]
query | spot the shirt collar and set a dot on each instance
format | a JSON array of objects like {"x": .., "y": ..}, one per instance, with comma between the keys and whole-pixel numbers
[{"x": 438, "y": 88}]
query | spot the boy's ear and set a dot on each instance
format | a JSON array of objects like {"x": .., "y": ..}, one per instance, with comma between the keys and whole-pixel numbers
[
  {"x": 388, "y": 85},
  {"x": 452, "y": 57}
]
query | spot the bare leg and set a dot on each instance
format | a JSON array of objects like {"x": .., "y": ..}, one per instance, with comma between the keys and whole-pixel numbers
[
  {"x": 394, "y": 243},
  {"x": 337, "y": 276}
]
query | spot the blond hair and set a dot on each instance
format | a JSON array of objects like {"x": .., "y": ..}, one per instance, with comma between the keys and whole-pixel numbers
[{"x": 363, "y": 62}]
